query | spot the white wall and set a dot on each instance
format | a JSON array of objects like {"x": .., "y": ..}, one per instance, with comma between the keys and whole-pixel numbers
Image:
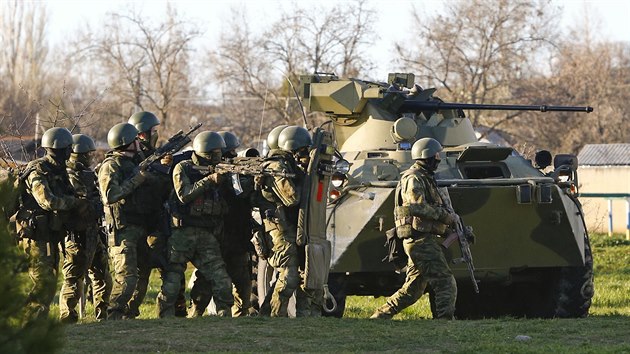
[{"x": 604, "y": 179}]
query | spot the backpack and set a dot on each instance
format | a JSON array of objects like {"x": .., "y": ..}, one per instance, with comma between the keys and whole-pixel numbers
[{"x": 12, "y": 188}]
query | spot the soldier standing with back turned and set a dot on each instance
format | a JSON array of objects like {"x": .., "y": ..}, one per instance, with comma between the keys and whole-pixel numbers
[
  {"x": 420, "y": 217},
  {"x": 40, "y": 219},
  {"x": 86, "y": 250},
  {"x": 281, "y": 216}
]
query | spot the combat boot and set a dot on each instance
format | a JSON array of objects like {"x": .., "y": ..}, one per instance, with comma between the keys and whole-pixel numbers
[{"x": 383, "y": 313}]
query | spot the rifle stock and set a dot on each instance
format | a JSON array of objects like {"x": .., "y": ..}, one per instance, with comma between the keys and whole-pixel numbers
[{"x": 460, "y": 233}]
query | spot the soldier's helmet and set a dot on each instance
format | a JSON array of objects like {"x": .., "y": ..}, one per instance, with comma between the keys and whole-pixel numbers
[
  {"x": 425, "y": 148},
  {"x": 144, "y": 121},
  {"x": 121, "y": 134},
  {"x": 231, "y": 141},
  {"x": 272, "y": 138},
  {"x": 294, "y": 138},
  {"x": 82, "y": 143},
  {"x": 205, "y": 142},
  {"x": 57, "y": 138}
]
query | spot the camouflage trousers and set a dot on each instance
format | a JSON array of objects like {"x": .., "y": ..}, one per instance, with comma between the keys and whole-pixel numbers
[
  {"x": 125, "y": 262},
  {"x": 238, "y": 268},
  {"x": 86, "y": 254},
  {"x": 153, "y": 255},
  {"x": 43, "y": 261},
  {"x": 286, "y": 260},
  {"x": 426, "y": 265},
  {"x": 200, "y": 246}
]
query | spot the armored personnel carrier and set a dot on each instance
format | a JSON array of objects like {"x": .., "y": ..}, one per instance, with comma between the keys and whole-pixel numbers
[{"x": 532, "y": 256}]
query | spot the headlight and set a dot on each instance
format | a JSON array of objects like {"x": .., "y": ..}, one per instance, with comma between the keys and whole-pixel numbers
[
  {"x": 338, "y": 179},
  {"x": 342, "y": 166}
]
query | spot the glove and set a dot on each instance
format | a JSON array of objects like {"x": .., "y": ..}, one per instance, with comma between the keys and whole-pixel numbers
[
  {"x": 449, "y": 218},
  {"x": 215, "y": 178},
  {"x": 167, "y": 160},
  {"x": 470, "y": 236}
]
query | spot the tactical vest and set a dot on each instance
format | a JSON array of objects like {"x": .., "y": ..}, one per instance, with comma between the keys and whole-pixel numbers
[
  {"x": 238, "y": 222},
  {"x": 206, "y": 210},
  {"x": 409, "y": 225},
  {"x": 133, "y": 209},
  {"x": 269, "y": 191},
  {"x": 33, "y": 221},
  {"x": 85, "y": 183}
]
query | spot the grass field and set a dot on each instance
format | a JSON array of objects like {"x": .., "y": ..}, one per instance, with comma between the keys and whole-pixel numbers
[{"x": 606, "y": 330}]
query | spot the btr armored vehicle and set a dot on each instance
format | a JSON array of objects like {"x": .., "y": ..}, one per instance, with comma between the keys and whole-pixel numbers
[{"x": 531, "y": 256}]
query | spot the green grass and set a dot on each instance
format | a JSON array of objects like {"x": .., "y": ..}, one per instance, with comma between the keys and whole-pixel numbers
[{"x": 604, "y": 331}]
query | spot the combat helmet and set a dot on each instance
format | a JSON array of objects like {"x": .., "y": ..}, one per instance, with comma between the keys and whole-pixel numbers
[
  {"x": 57, "y": 138},
  {"x": 144, "y": 121},
  {"x": 425, "y": 148},
  {"x": 272, "y": 138},
  {"x": 294, "y": 138},
  {"x": 121, "y": 134},
  {"x": 205, "y": 142},
  {"x": 231, "y": 141},
  {"x": 82, "y": 143}
]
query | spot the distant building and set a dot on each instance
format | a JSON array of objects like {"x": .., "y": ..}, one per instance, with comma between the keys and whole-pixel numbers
[{"x": 604, "y": 168}]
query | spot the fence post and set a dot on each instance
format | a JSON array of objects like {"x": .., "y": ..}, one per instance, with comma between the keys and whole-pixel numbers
[
  {"x": 627, "y": 218},
  {"x": 610, "y": 218}
]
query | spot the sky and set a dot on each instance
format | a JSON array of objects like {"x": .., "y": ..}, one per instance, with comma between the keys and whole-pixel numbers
[{"x": 66, "y": 16}]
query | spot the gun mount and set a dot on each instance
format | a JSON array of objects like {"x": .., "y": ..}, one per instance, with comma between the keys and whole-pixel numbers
[
  {"x": 356, "y": 105},
  {"x": 532, "y": 253}
]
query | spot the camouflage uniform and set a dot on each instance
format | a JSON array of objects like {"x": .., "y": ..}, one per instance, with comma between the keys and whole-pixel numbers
[
  {"x": 128, "y": 222},
  {"x": 198, "y": 227},
  {"x": 281, "y": 223},
  {"x": 85, "y": 249},
  {"x": 40, "y": 227},
  {"x": 423, "y": 214},
  {"x": 153, "y": 253},
  {"x": 235, "y": 249}
]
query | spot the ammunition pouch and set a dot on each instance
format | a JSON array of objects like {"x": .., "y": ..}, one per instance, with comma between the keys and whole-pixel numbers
[
  {"x": 410, "y": 226},
  {"x": 395, "y": 251},
  {"x": 263, "y": 244},
  {"x": 207, "y": 207},
  {"x": 189, "y": 220}
]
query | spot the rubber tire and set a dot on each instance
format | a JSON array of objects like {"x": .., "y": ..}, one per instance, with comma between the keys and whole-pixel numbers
[
  {"x": 574, "y": 289},
  {"x": 337, "y": 287}
]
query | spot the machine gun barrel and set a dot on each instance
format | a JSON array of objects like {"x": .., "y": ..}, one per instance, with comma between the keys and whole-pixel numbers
[
  {"x": 172, "y": 145},
  {"x": 412, "y": 105}
]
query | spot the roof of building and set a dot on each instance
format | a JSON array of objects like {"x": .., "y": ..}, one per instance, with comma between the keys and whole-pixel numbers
[{"x": 604, "y": 155}]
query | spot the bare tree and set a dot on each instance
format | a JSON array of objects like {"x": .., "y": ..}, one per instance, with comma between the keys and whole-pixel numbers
[
  {"x": 23, "y": 52},
  {"x": 257, "y": 78},
  {"x": 145, "y": 63},
  {"x": 477, "y": 51}
]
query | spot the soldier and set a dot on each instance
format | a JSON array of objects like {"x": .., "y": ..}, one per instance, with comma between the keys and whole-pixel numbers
[
  {"x": 272, "y": 138},
  {"x": 420, "y": 217},
  {"x": 126, "y": 213},
  {"x": 40, "y": 219},
  {"x": 235, "y": 245},
  {"x": 85, "y": 248},
  {"x": 281, "y": 217},
  {"x": 198, "y": 210},
  {"x": 153, "y": 254}
]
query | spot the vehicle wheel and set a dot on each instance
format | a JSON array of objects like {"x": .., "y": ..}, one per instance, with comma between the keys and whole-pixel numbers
[
  {"x": 264, "y": 281},
  {"x": 574, "y": 289},
  {"x": 337, "y": 287}
]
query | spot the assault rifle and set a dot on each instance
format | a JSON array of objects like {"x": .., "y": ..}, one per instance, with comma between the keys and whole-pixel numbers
[
  {"x": 462, "y": 233},
  {"x": 172, "y": 145},
  {"x": 248, "y": 166}
]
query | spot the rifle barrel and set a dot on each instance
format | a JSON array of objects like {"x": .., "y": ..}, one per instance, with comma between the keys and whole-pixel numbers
[{"x": 411, "y": 105}]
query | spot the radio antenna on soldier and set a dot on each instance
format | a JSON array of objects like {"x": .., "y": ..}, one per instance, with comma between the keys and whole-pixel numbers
[{"x": 297, "y": 96}]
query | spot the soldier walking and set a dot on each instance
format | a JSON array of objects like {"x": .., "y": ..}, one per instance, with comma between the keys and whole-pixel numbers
[
  {"x": 420, "y": 216},
  {"x": 126, "y": 213},
  {"x": 198, "y": 210},
  {"x": 40, "y": 219},
  {"x": 86, "y": 249}
]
